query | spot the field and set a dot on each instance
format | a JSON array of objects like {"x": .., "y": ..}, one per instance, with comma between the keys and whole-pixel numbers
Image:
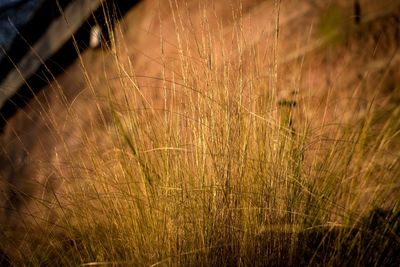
[{"x": 254, "y": 133}]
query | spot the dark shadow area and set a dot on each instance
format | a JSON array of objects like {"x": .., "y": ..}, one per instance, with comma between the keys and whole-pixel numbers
[
  {"x": 30, "y": 33},
  {"x": 374, "y": 241},
  {"x": 60, "y": 61},
  {"x": 4, "y": 260}
]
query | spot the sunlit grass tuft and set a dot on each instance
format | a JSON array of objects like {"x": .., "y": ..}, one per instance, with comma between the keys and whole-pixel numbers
[{"x": 226, "y": 173}]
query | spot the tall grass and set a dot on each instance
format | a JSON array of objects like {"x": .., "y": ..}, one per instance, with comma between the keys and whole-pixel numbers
[{"x": 224, "y": 172}]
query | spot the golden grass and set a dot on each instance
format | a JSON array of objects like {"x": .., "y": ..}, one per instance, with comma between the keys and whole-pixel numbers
[{"x": 224, "y": 173}]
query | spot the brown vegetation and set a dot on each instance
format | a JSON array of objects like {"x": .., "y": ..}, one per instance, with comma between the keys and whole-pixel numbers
[{"x": 214, "y": 133}]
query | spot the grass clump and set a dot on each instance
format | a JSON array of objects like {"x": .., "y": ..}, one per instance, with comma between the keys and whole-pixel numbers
[{"x": 224, "y": 172}]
